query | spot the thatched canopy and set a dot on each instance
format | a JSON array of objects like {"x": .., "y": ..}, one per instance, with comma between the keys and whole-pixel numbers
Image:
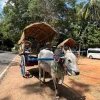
[
  {"x": 68, "y": 42},
  {"x": 42, "y": 32},
  {"x": 21, "y": 39}
]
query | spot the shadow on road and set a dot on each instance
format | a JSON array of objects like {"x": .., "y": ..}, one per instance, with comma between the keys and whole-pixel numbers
[
  {"x": 4, "y": 62},
  {"x": 6, "y": 98},
  {"x": 15, "y": 63},
  {"x": 1, "y": 51},
  {"x": 66, "y": 92}
]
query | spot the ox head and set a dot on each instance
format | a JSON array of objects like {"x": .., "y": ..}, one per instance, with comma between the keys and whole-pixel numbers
[{"x": 70, "y": 63}]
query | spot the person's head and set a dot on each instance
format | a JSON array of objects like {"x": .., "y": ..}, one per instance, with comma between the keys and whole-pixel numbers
[{"x": 47, "y": 43}]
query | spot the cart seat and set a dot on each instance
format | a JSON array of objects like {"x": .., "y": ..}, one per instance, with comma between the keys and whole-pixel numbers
[{"x": 31, "y": 61}]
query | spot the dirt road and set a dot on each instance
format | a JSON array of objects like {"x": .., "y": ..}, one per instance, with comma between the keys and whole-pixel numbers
[{"x": 83, "y": 87}]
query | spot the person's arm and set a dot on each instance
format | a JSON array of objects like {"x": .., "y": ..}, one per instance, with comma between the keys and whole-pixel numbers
[{"x": 22, "y": 47}]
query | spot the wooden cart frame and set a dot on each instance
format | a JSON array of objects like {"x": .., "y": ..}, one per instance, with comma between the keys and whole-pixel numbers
[{"x": 43, "y": 33}]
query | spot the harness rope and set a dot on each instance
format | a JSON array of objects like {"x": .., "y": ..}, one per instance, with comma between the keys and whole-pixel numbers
[{"x": 56, "y": 66}]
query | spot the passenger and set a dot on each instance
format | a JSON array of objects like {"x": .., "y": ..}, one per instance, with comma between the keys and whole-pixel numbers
[{"x": 48, "y": 47}]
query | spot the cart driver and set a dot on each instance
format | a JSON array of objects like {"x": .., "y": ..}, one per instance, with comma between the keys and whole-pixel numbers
[{"x": 48, "y": 47}]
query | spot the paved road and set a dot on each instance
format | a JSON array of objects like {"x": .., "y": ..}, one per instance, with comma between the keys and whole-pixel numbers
[{"x": 5, "y": 59}]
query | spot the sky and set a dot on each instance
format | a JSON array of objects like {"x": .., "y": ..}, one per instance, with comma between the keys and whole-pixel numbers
[{"x": 2, "y": 4}]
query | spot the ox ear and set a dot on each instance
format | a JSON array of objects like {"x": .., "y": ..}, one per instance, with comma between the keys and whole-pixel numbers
[
  {"x": 64, "y": 51},
  {"x": 67, "y": 50}
]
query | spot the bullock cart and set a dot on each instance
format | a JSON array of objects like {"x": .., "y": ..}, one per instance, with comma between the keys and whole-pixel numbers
[
  {"x": 57, "y": 65},
  {"x": 42, "y": 33},
  {"x": 68, "y": 42}
]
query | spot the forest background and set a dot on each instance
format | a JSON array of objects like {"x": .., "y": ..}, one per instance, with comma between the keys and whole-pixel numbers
[{"x": 72, "y": 19}]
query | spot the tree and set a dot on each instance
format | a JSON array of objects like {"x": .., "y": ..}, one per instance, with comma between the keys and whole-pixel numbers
[
  {"x": 20, "y": 13},
  {"x": 88, "y": 17},
  {"x": 64, "y": 15},
  {"x": 8, "y": 43},
  {"x": 90, "y": 10}
]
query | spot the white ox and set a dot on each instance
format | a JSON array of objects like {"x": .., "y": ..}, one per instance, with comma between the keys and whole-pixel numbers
[{"x": 57, "y": 68}]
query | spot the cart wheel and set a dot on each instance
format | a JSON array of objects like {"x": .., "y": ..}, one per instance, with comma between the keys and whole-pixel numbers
[{"x": 22, "y": 65}]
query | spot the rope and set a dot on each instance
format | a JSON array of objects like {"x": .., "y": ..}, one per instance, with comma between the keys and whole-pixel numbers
[{"x": 55, "y": 66}]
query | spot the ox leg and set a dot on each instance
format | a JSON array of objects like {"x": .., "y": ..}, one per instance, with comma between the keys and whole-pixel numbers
[
  {"x": 43, "y": 76},
  {"x": 56, "y": 88},
  {"x": 61, "y": 79},
  {"x": 40, "y": 76}
]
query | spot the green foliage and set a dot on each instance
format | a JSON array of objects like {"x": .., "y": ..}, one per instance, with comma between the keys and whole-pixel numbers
[
  {"x": 79, "y": 21},
  {"x": 90, "y": 10},
  {"x": 16, "y": 47},
  {"x": 8, "y": 43}
]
